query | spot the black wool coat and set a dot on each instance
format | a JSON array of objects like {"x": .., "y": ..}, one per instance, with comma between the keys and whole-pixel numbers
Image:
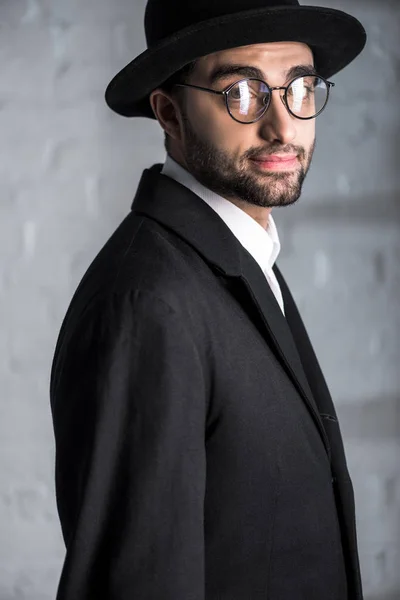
[{"x": 198, "y": 452}]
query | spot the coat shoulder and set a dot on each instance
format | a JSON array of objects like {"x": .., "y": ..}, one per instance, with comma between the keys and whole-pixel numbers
[{"x": 144, "y": 255}]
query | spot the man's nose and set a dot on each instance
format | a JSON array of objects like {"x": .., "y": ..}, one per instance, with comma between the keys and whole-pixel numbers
[{"x": 278, "y": 123}]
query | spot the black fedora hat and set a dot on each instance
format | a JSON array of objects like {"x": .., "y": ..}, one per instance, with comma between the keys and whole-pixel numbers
[{"x": 180, "y": 31}]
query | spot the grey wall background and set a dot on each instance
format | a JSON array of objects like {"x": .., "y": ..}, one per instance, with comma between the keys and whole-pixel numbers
[{"x": 69, "y": 169}]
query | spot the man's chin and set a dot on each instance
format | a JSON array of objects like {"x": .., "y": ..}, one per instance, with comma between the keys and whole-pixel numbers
[{"x": 276, "y": 190}]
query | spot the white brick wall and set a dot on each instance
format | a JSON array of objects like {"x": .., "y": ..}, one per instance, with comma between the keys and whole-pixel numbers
[{"x": 68, "y": 172}]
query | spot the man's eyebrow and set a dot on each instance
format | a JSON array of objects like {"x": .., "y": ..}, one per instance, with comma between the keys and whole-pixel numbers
[
  {"x": 299, "y": 70},
  {"x": 223, "y": 71}
]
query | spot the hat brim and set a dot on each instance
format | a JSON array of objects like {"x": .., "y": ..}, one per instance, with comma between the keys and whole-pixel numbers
[{"x": 335, "y": 38}]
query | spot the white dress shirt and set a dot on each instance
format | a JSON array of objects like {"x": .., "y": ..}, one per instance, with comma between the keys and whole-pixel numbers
[{"x": 262, "y": 244}]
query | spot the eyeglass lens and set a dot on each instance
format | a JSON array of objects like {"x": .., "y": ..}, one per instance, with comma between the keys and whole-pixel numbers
[{"x": 306, "y": 97}]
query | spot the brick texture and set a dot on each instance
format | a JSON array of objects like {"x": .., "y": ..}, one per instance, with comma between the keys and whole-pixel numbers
[{"x": 69, "y": 168}]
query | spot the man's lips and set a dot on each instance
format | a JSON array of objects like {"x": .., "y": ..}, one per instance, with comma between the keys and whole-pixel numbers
[
  {"x": 278, "y": 158},
  {"x": 277, "y": 162}
]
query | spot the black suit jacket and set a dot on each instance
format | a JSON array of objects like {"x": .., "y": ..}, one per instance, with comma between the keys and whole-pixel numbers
[{"x": 198, "y": 452}]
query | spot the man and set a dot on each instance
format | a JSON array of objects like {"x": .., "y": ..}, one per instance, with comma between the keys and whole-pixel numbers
[{"x": 199, "y": 455}]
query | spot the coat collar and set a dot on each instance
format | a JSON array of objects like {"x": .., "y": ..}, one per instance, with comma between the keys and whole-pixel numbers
[
  {"x": 180, "y": 210},
  {"x": 262, "y": 243}
]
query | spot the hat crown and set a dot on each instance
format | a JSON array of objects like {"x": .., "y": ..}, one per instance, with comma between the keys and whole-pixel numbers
[{"x": 163, "y": 18}]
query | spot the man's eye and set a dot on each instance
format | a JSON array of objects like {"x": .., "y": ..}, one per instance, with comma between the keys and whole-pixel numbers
[
  {"x": 238, "y": 95},
  {"x": 304, "y": 91}
]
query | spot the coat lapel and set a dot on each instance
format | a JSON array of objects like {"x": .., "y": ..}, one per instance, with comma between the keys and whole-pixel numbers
[
  {"x": 342, "y": 484},
  {"x": 308, "y": 358},
  {"x": 180, "y": 210},
  {"x": 279, "y": 333}
]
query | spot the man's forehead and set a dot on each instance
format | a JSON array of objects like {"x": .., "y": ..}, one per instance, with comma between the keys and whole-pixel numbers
[{"x": 290, "y": 52}]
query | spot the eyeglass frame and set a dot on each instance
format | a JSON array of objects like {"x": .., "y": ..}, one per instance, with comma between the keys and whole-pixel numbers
[{"x": 225, "y": 93}]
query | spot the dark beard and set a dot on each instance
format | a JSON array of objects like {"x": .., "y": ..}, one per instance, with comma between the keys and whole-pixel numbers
[{"x": 219, "y": 173}]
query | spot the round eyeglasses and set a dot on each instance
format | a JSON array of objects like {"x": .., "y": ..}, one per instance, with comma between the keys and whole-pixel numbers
[{"x": 248, "y": 100}]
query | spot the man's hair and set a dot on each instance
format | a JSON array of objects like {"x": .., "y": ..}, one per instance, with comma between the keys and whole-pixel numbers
[{"x": 181, "y": 76}]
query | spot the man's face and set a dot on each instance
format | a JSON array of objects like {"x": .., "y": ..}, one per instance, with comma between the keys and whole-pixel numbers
[{"x": 220, "y": 152}]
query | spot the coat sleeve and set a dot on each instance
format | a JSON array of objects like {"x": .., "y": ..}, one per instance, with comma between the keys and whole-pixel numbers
[{"x": 129, "y": 404}]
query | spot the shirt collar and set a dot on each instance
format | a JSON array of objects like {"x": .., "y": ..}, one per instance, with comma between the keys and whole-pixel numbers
[{"x": 263, "y": 244}]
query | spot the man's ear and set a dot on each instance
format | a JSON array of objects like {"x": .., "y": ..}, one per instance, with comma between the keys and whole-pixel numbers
[{"x": 166, "y": 110}]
